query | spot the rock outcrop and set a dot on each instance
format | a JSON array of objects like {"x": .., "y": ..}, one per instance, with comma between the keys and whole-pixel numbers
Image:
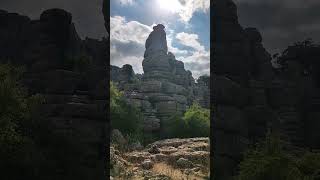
[
  {"x": 187, "y": 157},
  {"x": 71, "y": 75},
  {"x": 160, "y": 81},
  {"x": 157, "y": 41},
  {"x": 202, "y": 91},
  {"x": 242, "y": 76},
  {"x": 165, "y": 88},
  {"x": 249, "y": 98}
]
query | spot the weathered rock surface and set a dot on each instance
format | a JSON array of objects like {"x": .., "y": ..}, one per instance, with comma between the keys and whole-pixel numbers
[
  {"x": 188, "y": 156},
  {"x": 250, "y": 98},
  {"x": 165, "y": 88},
  {"x": 242, "y": 76},
  {"x": 70, "y": 73},
  {"x": 157, "y": 41}
]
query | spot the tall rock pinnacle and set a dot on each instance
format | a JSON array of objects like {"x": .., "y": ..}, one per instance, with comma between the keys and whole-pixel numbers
[{"x": 156, "y": 41}]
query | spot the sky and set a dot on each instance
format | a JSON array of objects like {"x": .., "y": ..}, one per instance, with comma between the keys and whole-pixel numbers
[
  {"x": 86, "y": 14},
  {"x": 281, "y": 22},
  {"x": 187, "y": 25}
]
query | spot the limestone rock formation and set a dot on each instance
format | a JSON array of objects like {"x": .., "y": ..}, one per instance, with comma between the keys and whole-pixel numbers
[
  {"x": 249, "y": 98},
  {"x": 164, "y": 89},
  {"x": 188, "y": 157},
  {"x": 105, "y": 11},
  {"x": 71, "y": 75},
  {"x": 157, "y": 41},
  {"x": 202, "y": 91},
  {"x": 242, "y": 76},
  {"x": 165, "y": 82}
]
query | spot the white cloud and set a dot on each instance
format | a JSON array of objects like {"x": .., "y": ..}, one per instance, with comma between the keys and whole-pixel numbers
[
  {"x": 127, "y": 40},
  {"x": 119, "y": 58},
  {"x": 124, "y": 31},
  {"x": 199, "y": 60},
  {"x": 174, "y": 50},
  {"x": 198, "y": 63},
  {"x": 184, "y": 8},
  {"x": 190, "y": 40},
  {"x": 191, "y": 6},
  {"x": 126, "y": 2}
]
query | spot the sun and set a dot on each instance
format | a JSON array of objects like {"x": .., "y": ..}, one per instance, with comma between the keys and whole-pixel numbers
[{"x": 169, "y": 5}]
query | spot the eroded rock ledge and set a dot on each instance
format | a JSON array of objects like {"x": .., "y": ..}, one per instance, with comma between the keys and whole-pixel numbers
[
  {"x": 249, "y": 98},
  {"x": 186, "y": 157},
  {"x": 70, "y": 73}
]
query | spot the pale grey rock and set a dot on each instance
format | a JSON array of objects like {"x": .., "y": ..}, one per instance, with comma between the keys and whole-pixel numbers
[{"x": 151, "y": 123}]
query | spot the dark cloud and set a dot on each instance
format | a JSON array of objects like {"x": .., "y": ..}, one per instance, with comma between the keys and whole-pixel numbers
[
  {"x": 281, "y": 22},
  {"x": 87, "y": 14}
]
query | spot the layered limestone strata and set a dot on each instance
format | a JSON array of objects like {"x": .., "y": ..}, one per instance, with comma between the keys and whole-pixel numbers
[
  {"x": 165, "y": 88},
  {"x": 250, "y": 98},
  {"x": 75, "y": 100},
  {"x": 242, "y": 76}
]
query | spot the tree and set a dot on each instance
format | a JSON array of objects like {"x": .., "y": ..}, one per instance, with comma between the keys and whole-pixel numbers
[
  {"x": 195, "y": 122},
  {"x": 307, "y": 54},
  {"x": 29, "y": 149},
  {"x": 124, "y": 117},
  {"x": 268, "y": 160}
]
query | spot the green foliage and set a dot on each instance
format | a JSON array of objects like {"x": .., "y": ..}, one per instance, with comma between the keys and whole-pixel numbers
[
  {"x": 197, "y": 120},
  {"x": 13, "y": 108},
  {"x": 306, "y": 53},
  {"x": 124, "y": 117},
  {"x": 29, "y": 149},
  {"x": 16, "y": 149},
  {"x": 194, "y": 123},
  {"x": 177, "y": 127},
  {"x": 268, "y": 160}
]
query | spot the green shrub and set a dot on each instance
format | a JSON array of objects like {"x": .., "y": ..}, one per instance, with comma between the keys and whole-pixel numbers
[
  {"x": 29, "y": 149},
  {"x": 194, "y": 123},
  {"x": 150, "y": 138},
  {"x": 17, "y": 150},
  {"x": 268, "y": 160},
  {"x": 197, "y": 120},
  {"x": 124, "y": 117},
  {"x": 177, "y": 128}
]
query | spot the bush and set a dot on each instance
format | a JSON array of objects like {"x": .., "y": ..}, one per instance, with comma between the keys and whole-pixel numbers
[
  {"x": 268, "y": 160},
  {"x": 28, "y": 147},
  {"x": 17, "y": 150},
  {"x": 194, "y": 123},
  {"x": 197, "y": 120},
  {"x": 124, "y": 117}
]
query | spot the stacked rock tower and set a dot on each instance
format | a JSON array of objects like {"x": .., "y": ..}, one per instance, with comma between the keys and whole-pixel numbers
[
  {"x": 165, "y": 88},
  {"x": 165, "y": 81}
]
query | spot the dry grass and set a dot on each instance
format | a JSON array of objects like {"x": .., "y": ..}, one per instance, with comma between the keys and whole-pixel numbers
[{"x": 176, "y": 174}]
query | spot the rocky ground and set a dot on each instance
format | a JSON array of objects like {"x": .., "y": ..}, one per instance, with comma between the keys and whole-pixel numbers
[{"x": 163, "y": 160}]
